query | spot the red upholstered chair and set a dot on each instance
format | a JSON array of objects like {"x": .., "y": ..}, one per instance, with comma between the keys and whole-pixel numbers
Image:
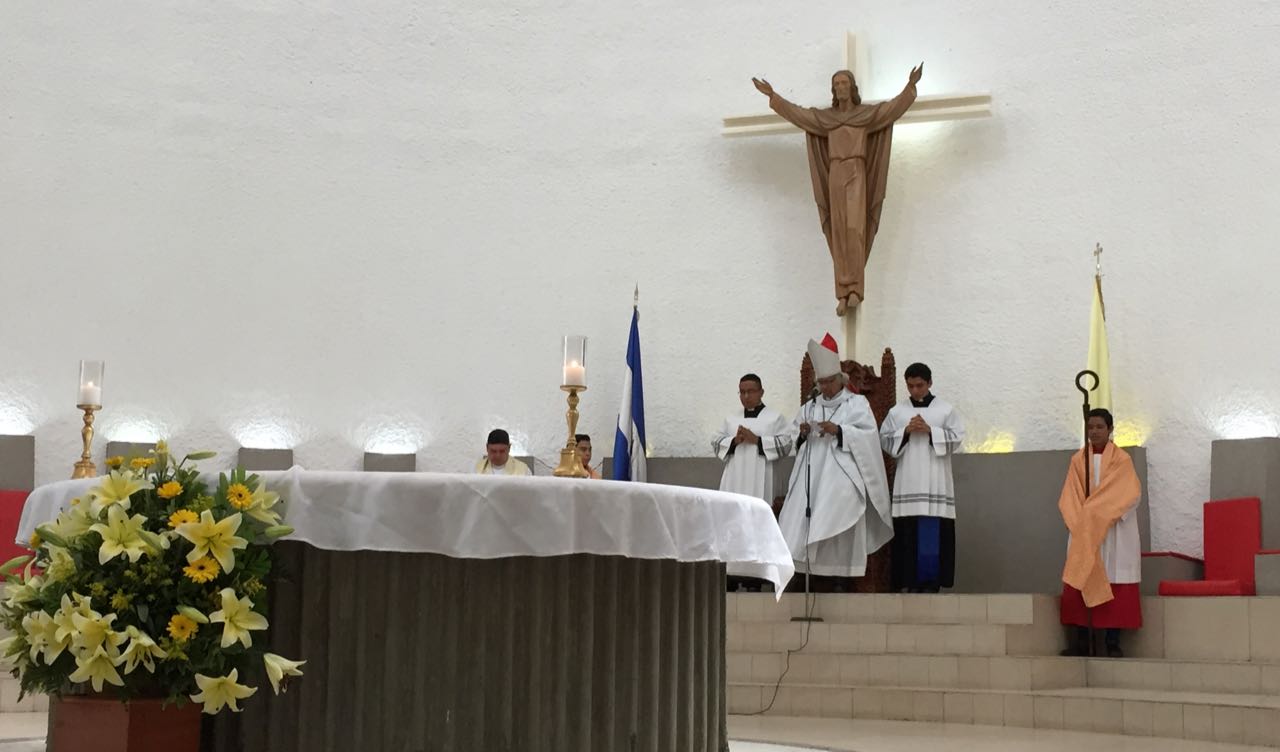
[
  {"x": 1232, "y": 535},
  {"x": 10, "y": 512}
]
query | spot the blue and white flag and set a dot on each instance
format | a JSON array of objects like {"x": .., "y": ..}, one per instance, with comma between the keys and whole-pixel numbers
[{"x": 628, "y": 443}]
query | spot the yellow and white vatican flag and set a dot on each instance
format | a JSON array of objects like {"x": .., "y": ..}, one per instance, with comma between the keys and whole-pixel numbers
[{"x": 1099, "y": 354}]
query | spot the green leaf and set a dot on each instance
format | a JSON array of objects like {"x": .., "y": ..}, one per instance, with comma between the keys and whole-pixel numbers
[
  {"x": 197, "y": 456},
  {"x": 47, "y": 534},
  {"x": 14, "y": 563}
]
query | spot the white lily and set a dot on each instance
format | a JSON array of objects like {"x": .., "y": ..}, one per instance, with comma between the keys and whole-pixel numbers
[
  {"x": 278, "y": 668},
  {"x": 94, "y": 632},
  {"x": 120, "y": 535},
  {"x": 217, "y": 539},
  {"x": 67, "y": 629},
  {"x": 61, "y": 564},
  {"x": 261, "y": 503},
  {"x": 96, "y": 667},
  {"x": 115, "y": 490},
  {"x": 217, "y": 691},
  {"x": 42, "y": 636},
  {"x": 142, "y": 649},
  {"x": 238, "y": 619},
  {"x": 23, "y": 591},
  {"x": 73, "y": 521},
  {"x": 10, "y": 651},
  {"x": 193, "y": 614}
]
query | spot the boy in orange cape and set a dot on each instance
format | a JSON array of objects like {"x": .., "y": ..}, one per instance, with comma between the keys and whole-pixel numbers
[{"x": 1104, "y": 564}]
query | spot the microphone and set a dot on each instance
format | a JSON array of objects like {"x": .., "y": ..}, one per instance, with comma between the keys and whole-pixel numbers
[{"x": 813, "y": 393}]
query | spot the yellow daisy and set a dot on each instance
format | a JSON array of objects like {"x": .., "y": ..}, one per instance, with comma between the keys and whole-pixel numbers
[
  {"x": 170, "y": 490},
  {"x": 35, "y": 541},
  {"x": 115, "y": 462},
  {"x": 182, "y": 516},
  {"x": 142, "y": 463},
  {"x": 239, "y": 496},
  {"x": 201, "y": 570},
  {"x": 181, "y": 628}
]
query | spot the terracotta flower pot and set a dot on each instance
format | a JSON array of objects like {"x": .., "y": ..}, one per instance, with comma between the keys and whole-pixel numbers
[{"x": 104, "y": 724}]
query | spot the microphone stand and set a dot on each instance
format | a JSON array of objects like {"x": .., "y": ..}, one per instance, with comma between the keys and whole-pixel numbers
[
  {"x": 808, "y": 521},
  {"x": 1088, "y": 464}
]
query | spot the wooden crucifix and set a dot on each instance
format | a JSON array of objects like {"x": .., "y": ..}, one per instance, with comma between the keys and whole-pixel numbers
[{"x": 848, "y": 146}]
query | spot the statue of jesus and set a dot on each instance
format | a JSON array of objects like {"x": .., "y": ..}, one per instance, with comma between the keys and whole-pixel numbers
[{"x": 848, "y": 147}]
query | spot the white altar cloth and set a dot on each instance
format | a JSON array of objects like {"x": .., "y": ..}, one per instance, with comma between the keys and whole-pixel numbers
[{"x": 489, "y": 516}]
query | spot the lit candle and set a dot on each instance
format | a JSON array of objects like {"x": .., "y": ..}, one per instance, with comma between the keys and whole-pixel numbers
[
  {"x": 574, "y": 374},
  {"x": 90, "y": 394},
  {"x": 90, "y": 383}
]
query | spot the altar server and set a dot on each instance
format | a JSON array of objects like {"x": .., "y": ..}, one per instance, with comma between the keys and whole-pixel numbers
[
  {"x": 750, "y": 441},
  {"x": 922, "y": 432},
  {"x": 1104, "y": 553}
]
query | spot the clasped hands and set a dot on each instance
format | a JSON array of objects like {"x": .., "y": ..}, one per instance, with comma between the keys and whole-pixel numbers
[
  {"x": 825, "y": 428},
  {"x": 917, "y": 425},
  {"x": 745, "y": 436}
]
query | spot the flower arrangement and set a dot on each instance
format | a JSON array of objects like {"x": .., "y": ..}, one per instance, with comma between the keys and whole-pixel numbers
[{"x": 152, "y": 584}]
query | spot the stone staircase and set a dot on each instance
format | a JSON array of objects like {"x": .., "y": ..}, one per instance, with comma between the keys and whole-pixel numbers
[
  {"x": 9, "y": 690},
  {"x": 1201, "y": 669}
]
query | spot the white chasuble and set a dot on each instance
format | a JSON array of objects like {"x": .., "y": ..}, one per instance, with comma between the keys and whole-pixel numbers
[{"x": 844, "y": 481}]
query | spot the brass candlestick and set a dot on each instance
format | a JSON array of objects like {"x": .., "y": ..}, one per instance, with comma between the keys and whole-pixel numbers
[
  {"x": 85, "y": 467},
  {"x": 570, "y": 465}
]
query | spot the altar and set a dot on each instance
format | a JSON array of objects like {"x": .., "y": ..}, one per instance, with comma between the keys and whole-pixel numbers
[{"x": 456, "y": 613}]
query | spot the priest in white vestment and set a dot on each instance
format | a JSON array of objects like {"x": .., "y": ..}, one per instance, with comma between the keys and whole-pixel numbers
[
  {"x": 838, "y": 477},
  {"x": 497, "y": 459},
  {"x": 922, "y": 433},
  {"x": 750, "y": 441}
]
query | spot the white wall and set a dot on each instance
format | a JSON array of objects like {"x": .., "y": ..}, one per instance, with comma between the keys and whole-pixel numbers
[{"x": 330, "y": 225}]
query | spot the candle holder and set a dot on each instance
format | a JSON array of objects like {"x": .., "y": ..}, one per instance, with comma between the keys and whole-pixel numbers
[
  {"x": 574, "y": 380},
  {"x": 85, "y": 467},
  {"x": 570, "y": 464},
  {"x": 88, "y": 399}
]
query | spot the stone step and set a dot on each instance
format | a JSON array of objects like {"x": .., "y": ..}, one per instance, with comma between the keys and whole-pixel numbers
[
  {"x": 896, "y": 639},
  {"x": 1234, "y": 718},
  {"x": 1184, "y": 676},
  {"x": 921, "y": 671},
  {"x": 9, "y": 690},
  {"x": 1003, "y": 672},
  {"x": 893, "y": 608},
  {"x": 1207, "y": 629}
]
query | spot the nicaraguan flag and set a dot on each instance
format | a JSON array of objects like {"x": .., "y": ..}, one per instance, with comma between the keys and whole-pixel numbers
[{"x": 628, "y": 443}]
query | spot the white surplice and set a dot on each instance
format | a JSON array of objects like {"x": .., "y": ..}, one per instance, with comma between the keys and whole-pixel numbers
[
  {"x": 748, "y": 468},
  {"x": 1122, "y": 548},
  {"x": 922, "y": 483},
  {"x": 847, "y": 490}
]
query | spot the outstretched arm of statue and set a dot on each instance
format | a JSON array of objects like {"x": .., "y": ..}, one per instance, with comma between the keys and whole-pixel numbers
[
  {"x": 763, "y": 87},
  {"x": 801, "y": 117},
  {"x": 889, "y": 111}
]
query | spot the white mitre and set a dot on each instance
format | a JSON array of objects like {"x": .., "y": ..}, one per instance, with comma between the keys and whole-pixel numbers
[{"x": 824, "y": 357}]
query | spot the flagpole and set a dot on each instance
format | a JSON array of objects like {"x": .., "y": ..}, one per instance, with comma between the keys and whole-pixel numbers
[{"x": 1097, "y": 276}]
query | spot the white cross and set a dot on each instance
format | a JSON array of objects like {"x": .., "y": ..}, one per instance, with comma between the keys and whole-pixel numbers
[{"x": 925, "y": 109}]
